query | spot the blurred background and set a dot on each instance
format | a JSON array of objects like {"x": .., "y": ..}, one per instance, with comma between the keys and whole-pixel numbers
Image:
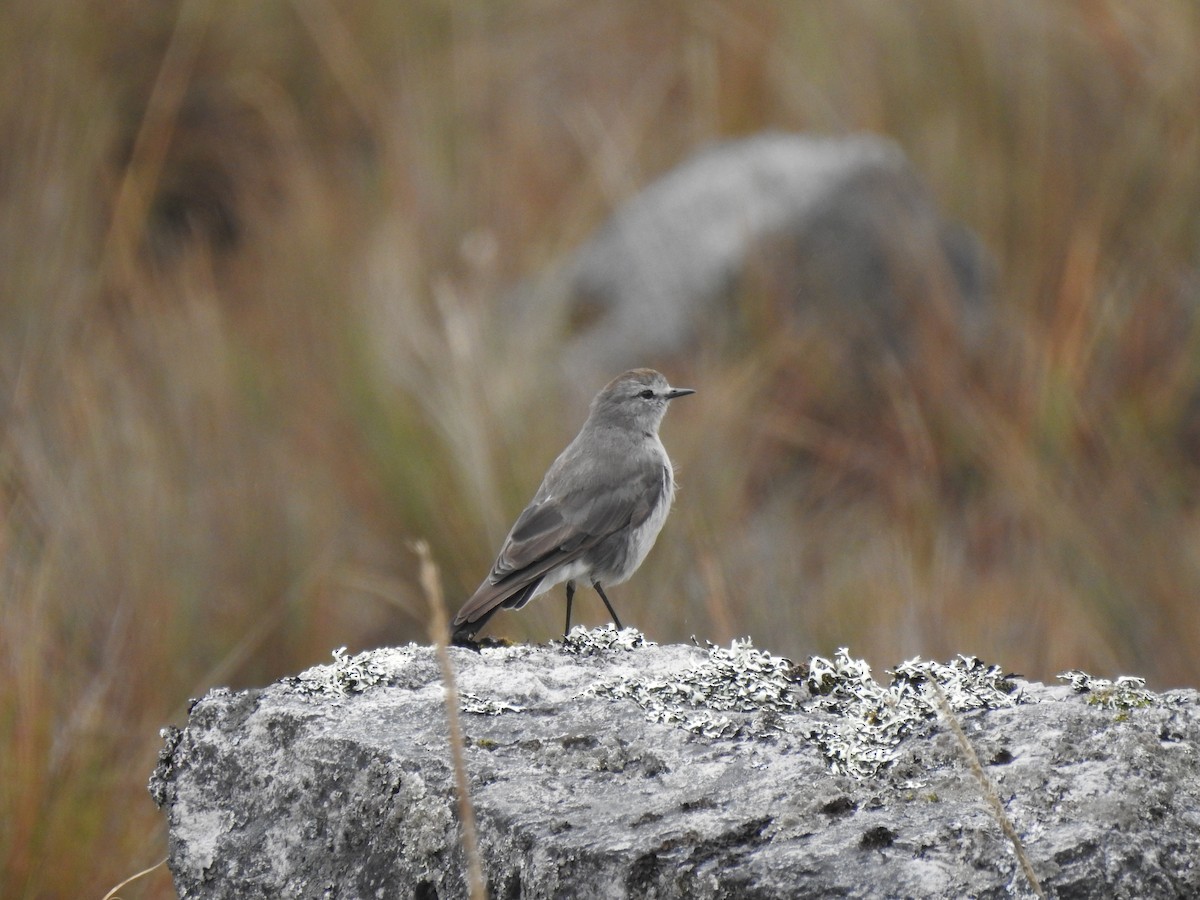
[{"x": 276, "y": 299}]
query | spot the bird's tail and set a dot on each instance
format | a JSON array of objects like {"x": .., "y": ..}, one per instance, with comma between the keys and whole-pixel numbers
[{"x": 485, "y": 604}]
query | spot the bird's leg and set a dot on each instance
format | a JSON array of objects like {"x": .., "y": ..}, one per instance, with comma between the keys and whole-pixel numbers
[
  {"x": 612, "y": 612},
  {"x": 570, "y": 599}
]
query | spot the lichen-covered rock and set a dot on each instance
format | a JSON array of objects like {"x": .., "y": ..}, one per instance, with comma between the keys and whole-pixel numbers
[{"x": 605, "y": 766}]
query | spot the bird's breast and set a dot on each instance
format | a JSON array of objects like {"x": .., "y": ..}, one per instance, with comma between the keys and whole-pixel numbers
[{"x": 617, "y": 558}]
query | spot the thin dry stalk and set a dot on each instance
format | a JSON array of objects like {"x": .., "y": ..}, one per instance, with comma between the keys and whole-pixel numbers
[
  {"x": 439, "y": 632},
  {"x": 987, "y": 788},
  {"x": 112, "y": 894}
]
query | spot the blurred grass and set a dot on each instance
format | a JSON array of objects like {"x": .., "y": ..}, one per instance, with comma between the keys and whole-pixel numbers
[{"x": 250, "y": 345}]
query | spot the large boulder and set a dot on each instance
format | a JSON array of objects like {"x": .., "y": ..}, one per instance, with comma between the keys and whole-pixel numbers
[
  {"x": 607, "y": 767},
  {"x": 835, "y": 230}
]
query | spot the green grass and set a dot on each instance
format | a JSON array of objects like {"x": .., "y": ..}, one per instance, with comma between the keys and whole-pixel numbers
[{"x": 250, "y": 346}]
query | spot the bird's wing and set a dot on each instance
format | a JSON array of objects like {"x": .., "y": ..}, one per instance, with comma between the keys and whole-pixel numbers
[{"x": 559, "y": 529}]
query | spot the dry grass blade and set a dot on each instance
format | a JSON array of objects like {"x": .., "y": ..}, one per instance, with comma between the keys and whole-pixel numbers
[
  {"x": 439, "y": 632},
  {"x": 112, "y": 894},
  {"x": 987, "y": 788}
]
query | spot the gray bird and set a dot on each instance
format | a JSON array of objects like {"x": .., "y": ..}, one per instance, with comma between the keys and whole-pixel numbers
[{"x": 598, "y": 511}]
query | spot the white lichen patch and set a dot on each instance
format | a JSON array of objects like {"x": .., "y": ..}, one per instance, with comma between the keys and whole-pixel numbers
[
  {"x": 354, "y": 674},
  {"x": 1127, "y": 692},
  {"x": 590, "y": 642},
  {"x": 860, "y": 723},
  {"x": 484, "y": 706},
  {"x": 507, "y": 651},
  {"x": 739, "y": 679},
  {"x": 868, "y": 720}
]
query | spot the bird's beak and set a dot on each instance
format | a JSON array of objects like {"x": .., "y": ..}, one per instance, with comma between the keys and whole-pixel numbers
[{"x": 679, "y": 392}]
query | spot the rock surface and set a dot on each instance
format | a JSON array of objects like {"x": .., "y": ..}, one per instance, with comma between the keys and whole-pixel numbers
[{"x": 606, "y": 767}]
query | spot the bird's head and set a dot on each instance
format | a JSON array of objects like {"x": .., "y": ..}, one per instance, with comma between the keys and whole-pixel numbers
[{"x": 636, "y": 399}]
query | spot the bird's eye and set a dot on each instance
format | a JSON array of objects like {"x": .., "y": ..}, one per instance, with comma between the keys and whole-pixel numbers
[{"x": 647, "y": 394}]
